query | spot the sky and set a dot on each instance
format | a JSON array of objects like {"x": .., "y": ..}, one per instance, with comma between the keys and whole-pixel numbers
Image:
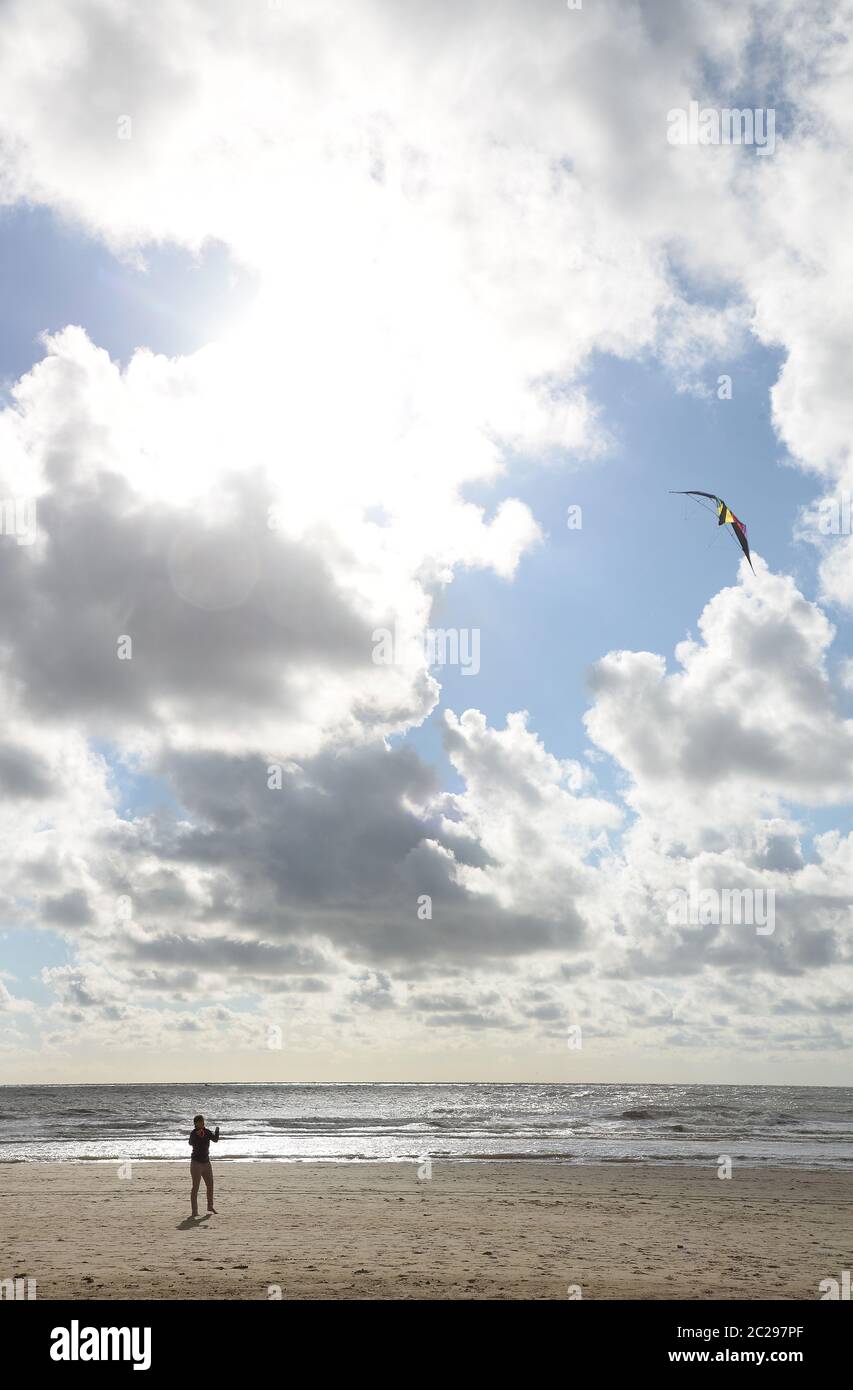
[{"x": 373, "y": 709}]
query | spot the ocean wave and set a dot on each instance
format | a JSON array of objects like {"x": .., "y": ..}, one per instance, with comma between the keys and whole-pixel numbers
[
  {"x": 651, "y": 1114},
  {"x": 790, "y": 1126}
]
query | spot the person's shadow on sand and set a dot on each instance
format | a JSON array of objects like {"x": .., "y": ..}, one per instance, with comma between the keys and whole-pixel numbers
[{"x": 191, "y": 1222}]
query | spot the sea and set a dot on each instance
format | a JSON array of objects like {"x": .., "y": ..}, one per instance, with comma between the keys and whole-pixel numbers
[{"x": 788, "y": 1126}]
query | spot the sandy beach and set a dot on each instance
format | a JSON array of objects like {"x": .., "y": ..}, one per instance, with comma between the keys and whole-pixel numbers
[{"x": 471, "y": 1231}]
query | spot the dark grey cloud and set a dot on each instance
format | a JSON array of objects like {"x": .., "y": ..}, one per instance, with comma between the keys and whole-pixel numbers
[
  {"x": 338, "y": 853},
  {"x": 449, "y": 1003},
  {"x": 223, "y": 953},
  {"x": 23, "y": 774},
  {"x": 475, "y": 1022},
  {"x": 106, "y": 569},
  {"x": 297, "y": 984},
  {"x": 545, "y": 1013},
  {"x": 177, "y": 983},
  {"x": 810, "y": 932},
  {"x": 782, "y": 853},
  {"x": 69, "y": 909},
  {"x": 373, "y": 992}
]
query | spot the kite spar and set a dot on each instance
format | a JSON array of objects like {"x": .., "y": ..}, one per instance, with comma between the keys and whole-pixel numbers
[{"x": 725, "y": 515}]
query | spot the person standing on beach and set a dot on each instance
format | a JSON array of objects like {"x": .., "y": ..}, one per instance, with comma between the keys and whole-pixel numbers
[{"x": 200, "y": 1164}]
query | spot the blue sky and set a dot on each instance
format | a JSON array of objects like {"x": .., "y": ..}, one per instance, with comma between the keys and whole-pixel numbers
[
  {"x": 53, "y": 274},
  {"x": 406, "y": 295},
  {"x": 639, "y": 572},
  {"x": 635, "y": 575}
]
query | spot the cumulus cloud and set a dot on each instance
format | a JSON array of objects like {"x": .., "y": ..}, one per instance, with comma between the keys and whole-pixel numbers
[
  {"x": 449, "y": 211},
  {"x": 750, "y": 719}
]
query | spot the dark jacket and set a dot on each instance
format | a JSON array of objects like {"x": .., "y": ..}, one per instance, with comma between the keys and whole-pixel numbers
[{"x": 201, "y": 1144}]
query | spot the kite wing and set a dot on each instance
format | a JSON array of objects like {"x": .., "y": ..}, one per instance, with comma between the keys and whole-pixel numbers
[
  {"x": 725, "y": 517},
  {"x": 740, "y": 531}
]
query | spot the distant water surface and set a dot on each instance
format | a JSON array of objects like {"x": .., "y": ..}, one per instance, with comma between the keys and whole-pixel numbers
[{"x": 792, "y": 1126}]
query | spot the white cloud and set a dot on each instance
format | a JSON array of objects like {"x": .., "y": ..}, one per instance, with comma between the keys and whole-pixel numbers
[
  {"x": 449, "y": 210},
  {"x": 750, "y": 720}
]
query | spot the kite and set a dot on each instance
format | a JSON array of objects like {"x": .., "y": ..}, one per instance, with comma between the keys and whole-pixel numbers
[{"x": 726, "y": 517}]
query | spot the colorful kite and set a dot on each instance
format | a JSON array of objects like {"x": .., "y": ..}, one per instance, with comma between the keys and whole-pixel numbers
[{"x": 726, "y": 517}]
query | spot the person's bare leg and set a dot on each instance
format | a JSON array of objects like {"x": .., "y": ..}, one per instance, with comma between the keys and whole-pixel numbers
[
  {"x": 208, "y": 1182},
  {"x": 196, "y": 1175}
]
